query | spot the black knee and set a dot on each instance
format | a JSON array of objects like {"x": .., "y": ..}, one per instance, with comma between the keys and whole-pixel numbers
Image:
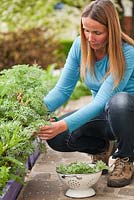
[
  {"x": 118, "y": 103},
  {"x": 59, "y": 143}
]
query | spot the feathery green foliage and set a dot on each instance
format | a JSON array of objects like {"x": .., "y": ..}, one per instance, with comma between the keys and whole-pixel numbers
[{"x": 21, "y": 113}]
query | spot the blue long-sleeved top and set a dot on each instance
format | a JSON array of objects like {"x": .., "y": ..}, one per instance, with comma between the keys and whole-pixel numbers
[{"x": 102, "y": 90}]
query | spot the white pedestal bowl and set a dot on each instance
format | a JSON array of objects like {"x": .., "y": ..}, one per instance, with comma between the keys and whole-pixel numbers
[{"x": 80, "y": 185}]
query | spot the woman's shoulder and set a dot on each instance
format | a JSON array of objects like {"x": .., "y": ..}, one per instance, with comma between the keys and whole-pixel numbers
[
  {"x": 75, "y": 50},
  {"x": 128, "y": 47},
  {"x": 128, "y": 50},
  {"x": 77, "y": 41}
]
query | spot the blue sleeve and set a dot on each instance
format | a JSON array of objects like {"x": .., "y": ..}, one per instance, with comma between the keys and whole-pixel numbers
[
  {"x": 68, "y": 79},
  {"x": 106, "y": 91}
]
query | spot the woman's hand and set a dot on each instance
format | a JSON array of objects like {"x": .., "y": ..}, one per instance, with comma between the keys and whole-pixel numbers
[{"x": 49, "y": 131}]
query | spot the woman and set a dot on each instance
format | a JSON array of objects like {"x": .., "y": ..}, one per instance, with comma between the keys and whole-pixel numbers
[{"x": 104, "y": 57}]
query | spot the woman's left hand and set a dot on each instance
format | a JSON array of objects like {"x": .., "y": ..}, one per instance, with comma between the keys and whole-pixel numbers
[{"x": 50, "y": 131}]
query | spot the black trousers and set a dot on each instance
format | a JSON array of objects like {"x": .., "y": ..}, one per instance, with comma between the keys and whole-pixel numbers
[{"x": 115, "y": 123}]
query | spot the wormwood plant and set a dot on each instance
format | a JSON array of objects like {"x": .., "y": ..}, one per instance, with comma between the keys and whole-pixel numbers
[{"x": 21, "y": 113}]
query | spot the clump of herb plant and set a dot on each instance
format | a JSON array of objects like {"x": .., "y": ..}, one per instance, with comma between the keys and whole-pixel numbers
[
  {"x": 81, "y": 168},
  {"x": 21, "y": 114}
]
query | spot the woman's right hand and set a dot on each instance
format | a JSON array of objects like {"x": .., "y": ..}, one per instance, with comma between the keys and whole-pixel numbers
[{"x": 50, "y": 131}]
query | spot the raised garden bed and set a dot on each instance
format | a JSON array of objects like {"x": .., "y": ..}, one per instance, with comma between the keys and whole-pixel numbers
[{"x": 11, "y": 190}]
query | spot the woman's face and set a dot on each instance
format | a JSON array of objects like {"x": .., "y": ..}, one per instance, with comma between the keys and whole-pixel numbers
[{"x": 95, "y": 33}]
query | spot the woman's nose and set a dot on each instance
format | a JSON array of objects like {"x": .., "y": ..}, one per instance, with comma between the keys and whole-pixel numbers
[{"x": 90, "y": 37}]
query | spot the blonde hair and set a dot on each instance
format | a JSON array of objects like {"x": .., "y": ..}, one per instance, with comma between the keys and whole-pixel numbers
[{"x": 105, "y": 13}]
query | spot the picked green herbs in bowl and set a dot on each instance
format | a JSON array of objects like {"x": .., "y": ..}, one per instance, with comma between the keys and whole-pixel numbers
[
  {"x": 80, "y": 177},
  {"x": 81, "y": 167}
]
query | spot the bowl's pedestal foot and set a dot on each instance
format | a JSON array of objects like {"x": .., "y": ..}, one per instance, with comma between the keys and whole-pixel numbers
[{"x": 80, "y": 193}]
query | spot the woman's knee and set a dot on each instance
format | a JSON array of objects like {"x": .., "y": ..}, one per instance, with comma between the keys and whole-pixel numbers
[
  {"x": 51, "y": 143},
  {"x": 119, "y": 102},
  {"x": 59, "y": 143}
]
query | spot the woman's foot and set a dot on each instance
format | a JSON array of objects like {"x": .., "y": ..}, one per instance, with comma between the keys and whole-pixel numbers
[{"x": 122, "y": 173}]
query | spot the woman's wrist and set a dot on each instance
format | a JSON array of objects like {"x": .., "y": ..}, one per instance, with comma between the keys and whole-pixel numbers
[{"x": 63, "y": 125}]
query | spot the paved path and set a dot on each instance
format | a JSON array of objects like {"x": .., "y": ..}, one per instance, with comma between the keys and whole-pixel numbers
[{"x": 43, "y": 182}]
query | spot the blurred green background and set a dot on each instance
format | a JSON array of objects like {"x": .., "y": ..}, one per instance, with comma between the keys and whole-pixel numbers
[{"x": 39, "y": 32}]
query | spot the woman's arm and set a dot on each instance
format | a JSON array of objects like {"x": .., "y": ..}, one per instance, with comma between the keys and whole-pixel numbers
[
  {"x": 93, "y": 109},
  {"x": 68, "y": 79},
  {"x": 106, "y": 91}
]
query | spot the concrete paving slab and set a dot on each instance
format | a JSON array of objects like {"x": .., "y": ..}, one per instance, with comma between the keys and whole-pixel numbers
[{"x": 44, "y": 183}]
